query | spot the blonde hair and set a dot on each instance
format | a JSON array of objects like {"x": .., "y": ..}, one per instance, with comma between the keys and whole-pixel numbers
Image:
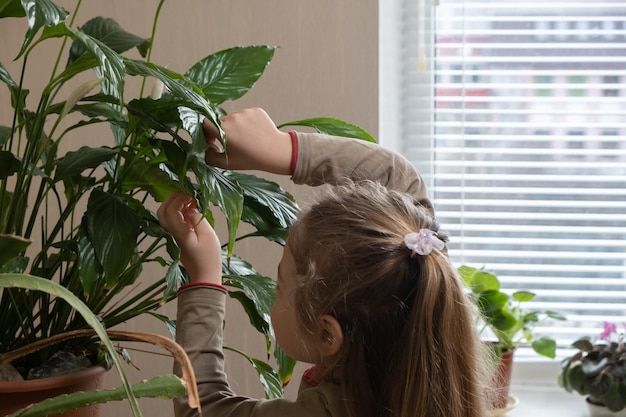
[{"x": 410, "y": 343}]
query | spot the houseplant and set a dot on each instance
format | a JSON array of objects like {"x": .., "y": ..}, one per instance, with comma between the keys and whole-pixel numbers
[
  {"x": 598, "y": 370},
  {"x": 505, "y": 324},
  {"x": 81, "y": 216}
]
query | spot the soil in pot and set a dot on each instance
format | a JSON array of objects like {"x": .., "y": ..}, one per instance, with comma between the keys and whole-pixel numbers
[{"x": 19, "y": 394}]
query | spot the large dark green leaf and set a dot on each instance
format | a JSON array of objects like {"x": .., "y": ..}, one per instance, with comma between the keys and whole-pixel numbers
[
  {"x": 192, "y": 123},
  {"x": 229, "y": 74},
  {"x": 18, "y": 97},
  {"x": 504, "y": 320},
  {"x": 615, "y": 397},
  {"x": 160, "y": 115},
  {"x": 272, "y": 384},
  {"x": 285, "y": 365},
  {"x": 11, "y": 246},
  {"x": 110, "y": 65},
  {"x": 11, "y": 8},
  {"x": 150, "y": 178},
  {"x": 40, "y": 13},
  {"x": 89, "y": 269},
  {"x": 5, "y": 134},
  {"x": 113, "y": 229},
  {"x": 9, "y": 164},
  {"x": 74, "y": 163},
  {"x": 258, "y": 288},
  {"x": 335, "y": 127},
  {"x": 267, "y": 194},
  {"x": 492, "y": 302},
  {"x": 110, "y": 33},
  {"x": 177, "y": 86},
  {"x": 220, "y": 190}
]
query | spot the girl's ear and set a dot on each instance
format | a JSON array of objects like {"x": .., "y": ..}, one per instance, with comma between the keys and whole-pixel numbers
[{"x": 330, "y": 336}]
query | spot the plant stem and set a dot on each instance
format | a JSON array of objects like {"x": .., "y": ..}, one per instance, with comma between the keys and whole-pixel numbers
[{"x": 152, "y": 35}]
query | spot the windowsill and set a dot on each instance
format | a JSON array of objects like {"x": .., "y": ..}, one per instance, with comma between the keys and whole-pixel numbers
[
  {"x": 535, "y": 385},
  {"x": 546, "y": 401}
]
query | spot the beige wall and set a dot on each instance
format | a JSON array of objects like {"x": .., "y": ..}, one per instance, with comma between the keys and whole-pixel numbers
[{"x": 326, "y": 65}]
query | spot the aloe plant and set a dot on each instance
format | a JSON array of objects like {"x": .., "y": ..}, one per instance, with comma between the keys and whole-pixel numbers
[{"x": 80, "y": 217}]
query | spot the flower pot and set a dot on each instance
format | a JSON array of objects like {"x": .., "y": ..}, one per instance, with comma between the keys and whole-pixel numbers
[
  {"x": 502, "y": 381},
  {"x": 18, "y": 394},
  {"x": 599, "y": 410}
]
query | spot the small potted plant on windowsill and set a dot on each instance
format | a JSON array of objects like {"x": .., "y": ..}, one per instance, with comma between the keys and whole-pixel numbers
[
  {"x": 505, "y": 324},
  {"x": 598, "y": 372}
]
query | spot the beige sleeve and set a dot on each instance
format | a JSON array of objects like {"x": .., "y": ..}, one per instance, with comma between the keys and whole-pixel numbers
[
  {"x": 199, "y": 332},
  {"x": 323, "y": 159}
]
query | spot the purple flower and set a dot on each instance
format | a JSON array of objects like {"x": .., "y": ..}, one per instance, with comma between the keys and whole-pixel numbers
[
  {"x": 423, "y": 242},
  {"x": 609, "y": 329}
]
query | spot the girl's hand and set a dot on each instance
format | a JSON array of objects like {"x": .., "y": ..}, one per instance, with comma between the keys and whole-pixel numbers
[
  {"x": 252, "y": 142},
  {"x": 201, "y": 253}
]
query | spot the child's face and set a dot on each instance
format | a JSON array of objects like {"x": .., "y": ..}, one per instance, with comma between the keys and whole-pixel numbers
[{"x": 296, "y": 343}]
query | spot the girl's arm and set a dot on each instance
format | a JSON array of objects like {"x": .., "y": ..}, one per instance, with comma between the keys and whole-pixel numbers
[{"x": 254, "y": 142}]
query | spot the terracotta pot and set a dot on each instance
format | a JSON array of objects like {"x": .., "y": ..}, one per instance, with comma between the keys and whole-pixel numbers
[
  {"x": 598, "y": 410},
  {"x": 19, "y": 394},
  {"x": 502, "y": 381}
]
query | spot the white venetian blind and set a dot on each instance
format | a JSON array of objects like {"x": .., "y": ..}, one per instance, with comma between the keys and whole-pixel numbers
[{"x": 525, "y": 146}]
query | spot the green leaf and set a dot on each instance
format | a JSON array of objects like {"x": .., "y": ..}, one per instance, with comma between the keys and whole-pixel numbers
[
  {"x": 9, "y": 164},
  {"x": 192, "y": 123},
  {"x": 220, "y": 190},
  {"x": 270, "y": 381},
  {"x": 280, "y": 207},
  {"x": 150, "y": 178},
  {"x": 113, "y": 229},
  {"x": 162, "y": 386},
  {"x": 75, "y": 162},
  {"x": 5, "y": 134},
  {"x": 176, "y": 84},
  {"x": 89, "y": 269},
  {"x": 11, "y": 246},
  {"x": 615, "y": 397},
  {"x": 40, "y": 13},
  {"x": 504, "y": 320},
  {"x": 599, "y": 385},
  {"x": 18, "y": 97},
  {"x": 160, "y": 115},
  {"x": 33, "y": 283},
  {"x": 174, "y": 278},
  {"x": 491, "y": 303},
  {"x": 584, "y": 344},
  {"x": 11, "y": 8},
  {"x": 260, "y": 289},
  {"x": 111, "y": 34},
  {"x": 229, "y": 74},
  {"x": 335, "y": 127},
  {"x": 545, "y": 346},
  {"x": 286, "y": 364},
  {"x": 523, "y": 296},
  {"x": 483, "y": 281}
]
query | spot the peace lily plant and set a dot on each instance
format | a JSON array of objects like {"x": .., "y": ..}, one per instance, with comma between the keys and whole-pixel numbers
[{"x": 80, "y": 218}]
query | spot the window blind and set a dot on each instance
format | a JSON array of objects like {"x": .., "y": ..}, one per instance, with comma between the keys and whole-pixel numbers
[{"x": 527, "y": 157}]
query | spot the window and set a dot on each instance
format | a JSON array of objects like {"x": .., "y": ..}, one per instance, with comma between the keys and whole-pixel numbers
[{"x": 514, "y": 111}]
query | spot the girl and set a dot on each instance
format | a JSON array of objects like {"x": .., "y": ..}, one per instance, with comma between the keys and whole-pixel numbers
[{"x": 365, "y": 289}]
